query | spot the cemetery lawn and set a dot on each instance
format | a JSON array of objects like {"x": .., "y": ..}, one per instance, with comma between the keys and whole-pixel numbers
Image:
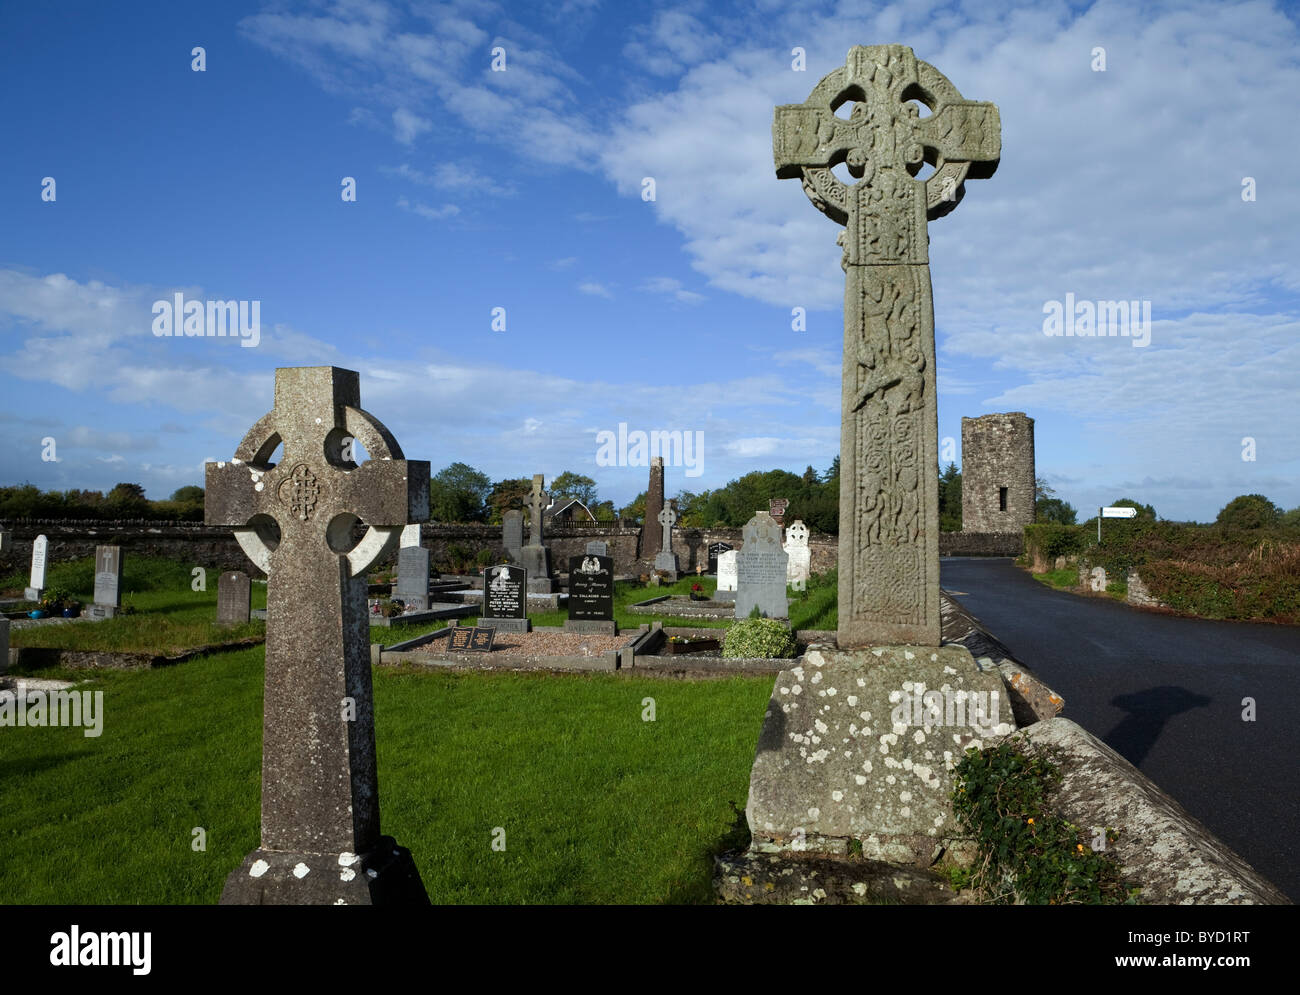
[
  {"x": 168, "y": 616},
  {"x": 597, "y": 805}
]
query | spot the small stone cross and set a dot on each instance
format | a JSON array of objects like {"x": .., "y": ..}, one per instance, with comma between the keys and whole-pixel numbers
[{"x": 889, "y": 507}]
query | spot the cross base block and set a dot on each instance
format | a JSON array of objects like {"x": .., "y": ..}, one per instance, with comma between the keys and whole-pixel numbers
[{"x": 385, "y": 876}]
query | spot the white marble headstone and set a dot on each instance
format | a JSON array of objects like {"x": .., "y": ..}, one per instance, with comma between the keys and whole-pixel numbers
[
  {"x": 799, "y": 565},
  {"x": 727, "y": 570},
  {"x": 39, "y": 549},
  {"x": 410, "y": 536}
]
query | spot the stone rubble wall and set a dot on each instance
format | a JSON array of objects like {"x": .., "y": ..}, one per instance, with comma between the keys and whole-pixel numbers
[{"x": 997, "y": 451}]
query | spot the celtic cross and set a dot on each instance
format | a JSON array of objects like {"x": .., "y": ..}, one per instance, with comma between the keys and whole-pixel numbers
[
  {"x": 666, "y": 518},
  {"x": 538, "y": 501},
  {"x": 295, "y": 520},
  {"x": 889, "y": 515}
]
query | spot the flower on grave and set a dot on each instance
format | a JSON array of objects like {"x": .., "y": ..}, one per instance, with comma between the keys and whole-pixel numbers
[{"x": 696, "y": 587}]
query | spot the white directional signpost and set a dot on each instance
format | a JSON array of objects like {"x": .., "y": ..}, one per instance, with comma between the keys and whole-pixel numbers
[{"x": 1114, "y": 512}]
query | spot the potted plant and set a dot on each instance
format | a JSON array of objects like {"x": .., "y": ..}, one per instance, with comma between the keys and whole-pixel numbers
[
  {"x": 697, "y": 592},
  {"x": 72, "y": 609}
]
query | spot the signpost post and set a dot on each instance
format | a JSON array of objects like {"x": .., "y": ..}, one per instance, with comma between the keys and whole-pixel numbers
[{"x": 1113, "y": 512}]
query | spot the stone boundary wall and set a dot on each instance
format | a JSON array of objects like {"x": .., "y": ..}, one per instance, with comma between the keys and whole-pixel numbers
[
  {"x": 214, "y": 547},
  {"x": 981, "y": 543}
]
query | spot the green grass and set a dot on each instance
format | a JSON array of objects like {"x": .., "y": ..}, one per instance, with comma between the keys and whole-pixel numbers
[
  {"x": 1062, "y": 580},
  {"x": 169, "y": 616},
  {"x": 597, "y": 805}
]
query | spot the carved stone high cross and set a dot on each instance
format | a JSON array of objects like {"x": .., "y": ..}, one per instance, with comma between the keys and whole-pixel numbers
[
  {"x": 666, "y": 518},
  {"x": 889, "y": 501},
  {"x": 294, "y": 519},
  {"x": 538, "y": 501}
]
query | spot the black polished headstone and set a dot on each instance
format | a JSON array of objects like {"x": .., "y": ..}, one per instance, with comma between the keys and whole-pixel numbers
[
  {"x": 715, "y": 550},
  {"x": 591, "y": 588}
]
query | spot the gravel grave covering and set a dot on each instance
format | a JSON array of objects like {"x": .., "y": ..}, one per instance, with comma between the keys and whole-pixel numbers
[{"x": 539, "y": 642}]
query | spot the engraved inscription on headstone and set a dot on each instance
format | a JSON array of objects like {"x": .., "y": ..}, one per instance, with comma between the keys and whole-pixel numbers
[
  {"x": 234, "y": 598},
  {"x": 40, "y": 548},
  {"x": 889, "y": 513},
  {"x": 412, "y": 587},
  {"x": 471, "y": 638},
  {"x": 505, "y": 598},
  {"x": 761, "y": 569},
  {"x": 591, "y": 594}
]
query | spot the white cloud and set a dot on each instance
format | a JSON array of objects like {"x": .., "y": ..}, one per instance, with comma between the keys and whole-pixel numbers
[
  {"x": 425, "y": 211},
  {"x": 595, "y": 289},
  {"x": 406, "y": 126},
  {"x": 672, "y": 289}
]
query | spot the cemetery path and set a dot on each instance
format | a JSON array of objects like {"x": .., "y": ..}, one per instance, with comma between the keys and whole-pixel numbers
[{"x": 1166, "y": 693}]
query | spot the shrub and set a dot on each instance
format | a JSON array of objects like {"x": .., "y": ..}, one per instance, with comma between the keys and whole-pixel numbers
[
  {"x": 1027, "y": 854},
  {"x": 1249, "y": 511},
  {"x": 759, "y": 637}
]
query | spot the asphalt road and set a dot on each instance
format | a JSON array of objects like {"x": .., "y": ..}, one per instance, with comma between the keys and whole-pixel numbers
[{"x": 1166, "y": 693}]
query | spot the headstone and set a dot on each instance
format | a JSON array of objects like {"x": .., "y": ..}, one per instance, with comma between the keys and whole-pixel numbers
[
  {"x": 651, "y": 531},
  {"x": 889, "y": 492},
  {"x": 410, "y": 536},
  {"x": 891, "y": 708},
  {"x": 35, "y": 591},
  {"x": 505, "y": 598},
  {"x": 412, "y": 587},
  {"x": 799, "y": 564},
  {"x": 4, "y": 645},
  {"x": 591, "y": 595},
  {"x": 776, "y": 508},
  {"x": 471, "y": 638},
  {"x": 512, "y": 533},
  {"x": 6, "y": 541},
  {"x": 598, "y": 547},
  {"x": 535, "y": 557},
  {"x": 321, "y": 841},
  {"x": 666, "y": 559},
  {"x": 234, "y": 598},
  {"x": 726, "y": 576},
  {"x": 108, "y": 582},
  {"x": 760, "y": 570},
  {"x": 715, "y": 550}
]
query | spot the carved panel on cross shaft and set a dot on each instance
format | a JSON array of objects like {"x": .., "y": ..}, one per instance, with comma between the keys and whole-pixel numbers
[{"x": 888, "y": 408}]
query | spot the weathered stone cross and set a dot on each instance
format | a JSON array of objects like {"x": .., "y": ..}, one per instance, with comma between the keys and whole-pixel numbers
[
  {"x": 889, "y": 501},
  {"x": 538, "y": 502},
  {"x": 320, "y": 801},
  {"x": 666, "y": 518}
]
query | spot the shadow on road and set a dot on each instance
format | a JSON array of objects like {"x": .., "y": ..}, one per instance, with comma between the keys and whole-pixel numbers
[{"x": 1148, "y": 711}]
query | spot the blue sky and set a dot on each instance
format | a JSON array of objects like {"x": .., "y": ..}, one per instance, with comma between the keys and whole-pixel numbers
[{"x": 522, "y": 189}]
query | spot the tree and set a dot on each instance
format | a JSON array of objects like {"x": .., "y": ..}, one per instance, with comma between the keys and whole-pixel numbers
[
  {"x": 507, "y": 494},
  {"x": 1291, "y": 518},
  {"x": 1249, "y": 511},
  {"x": 570, "y": 485},
  {"x": 1054, "y": 511},
  {"x": 457, "y": 494},
  {"x": 604, "y": 511},
  {"x": 1144, "y": 511},
  {"x": 950, "y": 499},
  {"x": 191, "y": 494},
  {"x": 128, "y": 501},
  {"x": 1042, "y": 489},
  {"x": 634, "y": 513}
]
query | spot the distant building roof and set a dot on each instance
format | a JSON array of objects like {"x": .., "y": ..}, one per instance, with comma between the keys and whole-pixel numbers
[{"x": 567, "y": 509}]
